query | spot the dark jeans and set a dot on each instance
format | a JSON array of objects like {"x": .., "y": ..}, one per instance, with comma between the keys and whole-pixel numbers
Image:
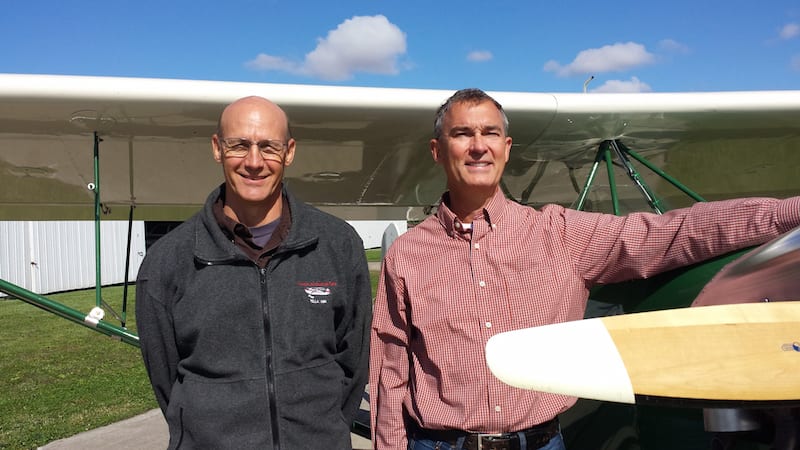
[{"x": 557, "y": 443}]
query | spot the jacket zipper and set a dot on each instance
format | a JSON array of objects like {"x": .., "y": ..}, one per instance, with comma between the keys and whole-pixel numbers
[{"x": 273, "y": 403}]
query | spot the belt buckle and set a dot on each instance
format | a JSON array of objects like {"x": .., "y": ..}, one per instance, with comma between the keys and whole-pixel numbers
[{"x": 486, "y": 435}]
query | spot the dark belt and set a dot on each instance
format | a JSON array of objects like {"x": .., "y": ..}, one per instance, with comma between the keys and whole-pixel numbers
[{"x": 535, "y": 437}]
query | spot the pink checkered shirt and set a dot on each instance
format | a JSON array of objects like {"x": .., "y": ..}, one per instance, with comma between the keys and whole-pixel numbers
[{"x": 444, "y": 293}]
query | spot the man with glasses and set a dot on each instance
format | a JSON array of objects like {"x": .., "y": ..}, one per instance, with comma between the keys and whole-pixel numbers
[{"x": 254, "y": 314}]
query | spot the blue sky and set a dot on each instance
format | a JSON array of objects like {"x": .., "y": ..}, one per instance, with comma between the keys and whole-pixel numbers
[{"x": 525, "y": 45}]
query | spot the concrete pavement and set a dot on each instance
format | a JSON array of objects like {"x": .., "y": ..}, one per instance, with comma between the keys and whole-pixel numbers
[{"x": 145, "y": 431}]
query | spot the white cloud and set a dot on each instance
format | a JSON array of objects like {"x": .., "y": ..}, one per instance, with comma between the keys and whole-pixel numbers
[
  {"x": 479, "y": 56},
  {"x": 369, "y": 44},
  {"x": 632, "y": 85},
  {"x": 789, "y": 31},
  {"x": 264, "y": 62},
  {"x": 673, "y": 46},
  {"x": 609, "y": 58}
]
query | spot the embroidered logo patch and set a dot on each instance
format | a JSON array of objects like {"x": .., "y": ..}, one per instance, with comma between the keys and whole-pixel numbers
[{"x": 317, "y": 293}]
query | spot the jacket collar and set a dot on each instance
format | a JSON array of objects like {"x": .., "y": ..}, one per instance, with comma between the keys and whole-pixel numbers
[{"x": 212, "y": 245}]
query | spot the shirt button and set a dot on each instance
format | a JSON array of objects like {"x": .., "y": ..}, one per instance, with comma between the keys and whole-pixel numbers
[
  {"x": 482, "y": 283},
  {"x": 497, "y": 408},
  {"x": 477, "y": 245},
  {"x": 488, "y": 324}
]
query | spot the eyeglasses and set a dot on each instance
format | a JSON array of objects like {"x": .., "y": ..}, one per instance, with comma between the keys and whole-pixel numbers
[{"x": 240, "y": 147}]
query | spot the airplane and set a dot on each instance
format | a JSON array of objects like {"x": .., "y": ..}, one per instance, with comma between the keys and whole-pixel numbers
[{"x": 114, "y": 148}]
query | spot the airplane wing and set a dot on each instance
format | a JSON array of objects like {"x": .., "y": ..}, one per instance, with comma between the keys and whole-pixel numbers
[{"x": 363, "y": 152}]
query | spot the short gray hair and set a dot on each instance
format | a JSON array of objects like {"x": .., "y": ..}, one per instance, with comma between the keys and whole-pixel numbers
[{"x": 469, "y": 95}]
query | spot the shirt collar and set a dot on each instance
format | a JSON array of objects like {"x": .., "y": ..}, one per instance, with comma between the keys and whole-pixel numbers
[
  {"x": 492, "y": 213},
  {"x": 240, "y": 234}
]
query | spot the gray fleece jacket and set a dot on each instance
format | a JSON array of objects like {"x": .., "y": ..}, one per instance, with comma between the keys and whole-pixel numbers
[{"x": 243, "y": 357}]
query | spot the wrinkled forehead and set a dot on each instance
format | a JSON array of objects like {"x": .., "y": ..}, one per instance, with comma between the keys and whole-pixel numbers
[{"x": 473, "y": 114}]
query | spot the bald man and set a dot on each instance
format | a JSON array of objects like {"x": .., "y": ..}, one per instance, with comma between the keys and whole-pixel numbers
[{"x": 254, "y": 314}]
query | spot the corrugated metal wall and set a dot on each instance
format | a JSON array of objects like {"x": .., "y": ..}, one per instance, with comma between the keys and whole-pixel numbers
[
  {"x": 46, "y": 257},
  {"x": 14, "y": 265}
]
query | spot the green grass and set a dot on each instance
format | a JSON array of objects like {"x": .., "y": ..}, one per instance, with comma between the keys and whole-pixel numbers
[
  {"x": 373, "y": 278},
  {"x": 58, "y": 378},
  {"x": 373, "y": 254}
]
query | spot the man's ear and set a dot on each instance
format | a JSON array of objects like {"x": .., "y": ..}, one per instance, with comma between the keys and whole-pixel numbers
[
  {"x": 508, "y": 147},
  {"x": 215, "y": 148},
  {"x": 435, "y": 149},
  {"x": 290, "y": 147}
]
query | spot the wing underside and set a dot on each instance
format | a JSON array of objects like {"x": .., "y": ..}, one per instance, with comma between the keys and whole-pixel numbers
[{"x": 364, "y": 153}]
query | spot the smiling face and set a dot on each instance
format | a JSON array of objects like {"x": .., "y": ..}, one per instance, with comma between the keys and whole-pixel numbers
[
  {"x": 472, "y": 148},
  {"x": 253, "y": 183}
]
